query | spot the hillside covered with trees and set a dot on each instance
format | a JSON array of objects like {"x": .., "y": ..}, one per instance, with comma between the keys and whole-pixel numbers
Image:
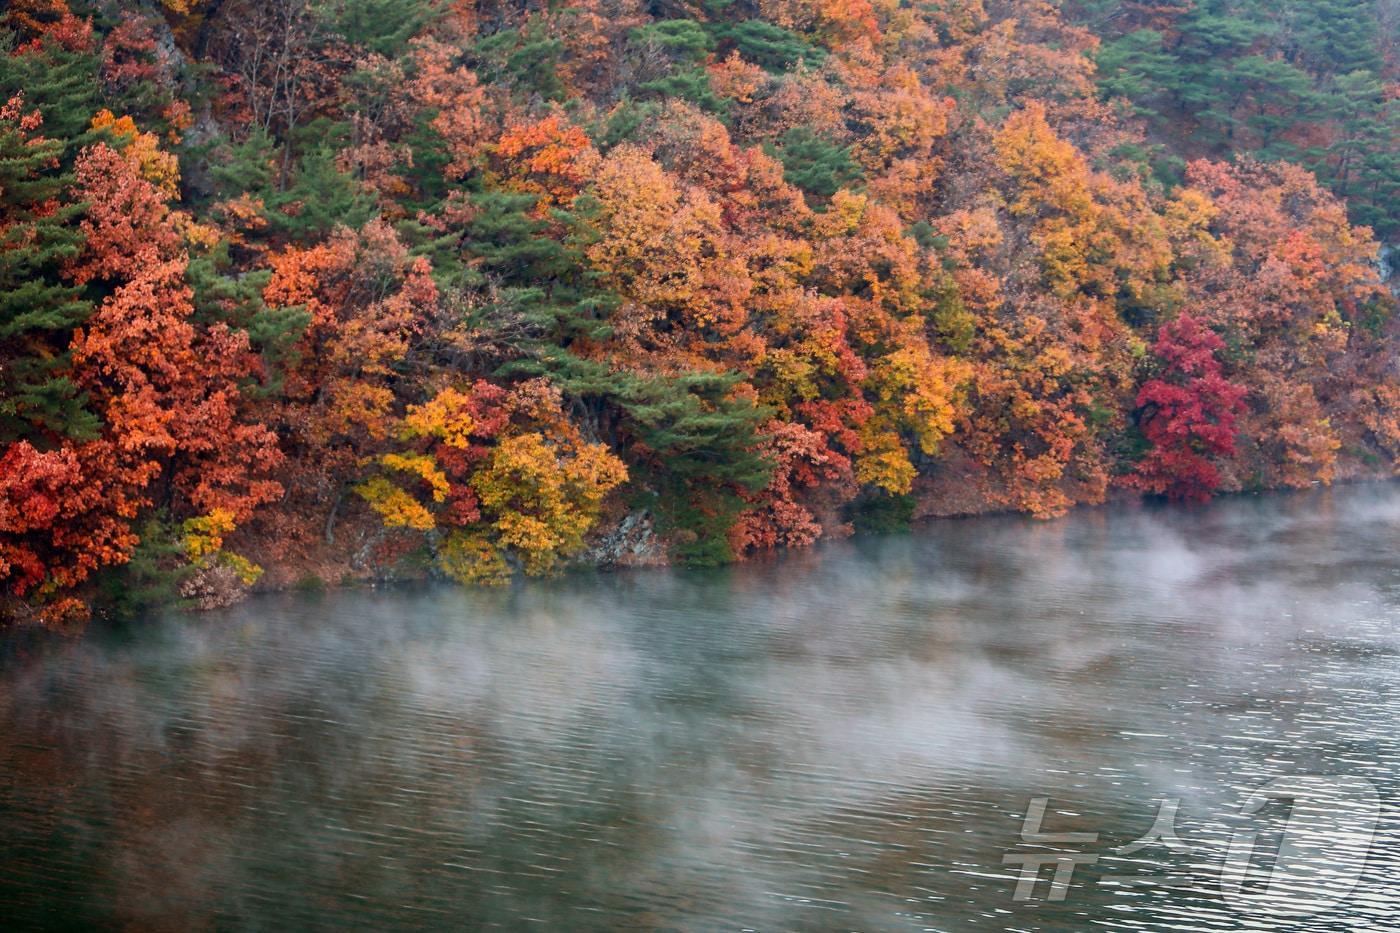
[{"x": 317, "y": 290}]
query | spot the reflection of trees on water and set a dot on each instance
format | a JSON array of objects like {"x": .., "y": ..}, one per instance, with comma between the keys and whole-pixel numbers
[{"x": 845, "y": 738}]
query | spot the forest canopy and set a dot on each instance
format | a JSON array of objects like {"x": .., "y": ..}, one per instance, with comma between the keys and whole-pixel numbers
[{"x": 315, "y": 290}]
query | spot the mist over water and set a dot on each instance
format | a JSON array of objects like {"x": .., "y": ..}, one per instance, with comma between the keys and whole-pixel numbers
[{"x": 846, "y": 738}]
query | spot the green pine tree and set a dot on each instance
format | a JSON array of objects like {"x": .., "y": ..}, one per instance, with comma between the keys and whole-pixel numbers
[
  {"x": 523, "y": 59},
  {"x": 151, "y": 578},
  {"x": 38, "y": 309},
  {"x": 320, "y": 198},
  {"x": 702, "y": 456},
  {"x": 683, "y": 44},
  {"x": 766, "y": 44},
  {"x": 815, "y": 165},
  {"x": 381, "y": 26},
  {"x": 1334, "y": 37},
  {"x": 58, "y": 83}
]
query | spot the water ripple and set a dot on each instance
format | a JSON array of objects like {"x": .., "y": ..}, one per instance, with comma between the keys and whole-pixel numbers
[{"x": 842, "y": 739}]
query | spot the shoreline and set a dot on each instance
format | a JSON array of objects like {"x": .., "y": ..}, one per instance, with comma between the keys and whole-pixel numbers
[
  {"x": 327, "y": 576},
  {"x": 376, "y": 578}
]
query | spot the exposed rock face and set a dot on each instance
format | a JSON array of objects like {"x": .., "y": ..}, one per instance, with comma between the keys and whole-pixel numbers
[
  {"x": 213, "y": 587},
  {"x": 633, "y": 543}
]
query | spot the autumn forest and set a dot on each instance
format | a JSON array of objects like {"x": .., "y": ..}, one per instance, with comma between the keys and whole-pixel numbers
[{"x": 309, "y": 292}]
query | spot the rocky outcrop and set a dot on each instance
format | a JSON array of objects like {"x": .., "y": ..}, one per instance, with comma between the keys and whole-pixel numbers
[{"x": 633, "y": 542}]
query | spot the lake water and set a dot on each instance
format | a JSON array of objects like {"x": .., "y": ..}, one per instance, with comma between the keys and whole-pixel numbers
[{"x": 843, "y": 739}]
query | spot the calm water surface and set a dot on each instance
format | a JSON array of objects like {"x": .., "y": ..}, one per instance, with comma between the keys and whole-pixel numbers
[{"x": 846, "y": 739}]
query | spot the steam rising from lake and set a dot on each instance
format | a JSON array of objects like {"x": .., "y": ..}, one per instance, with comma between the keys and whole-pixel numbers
[{"x": 843, "y": 738}]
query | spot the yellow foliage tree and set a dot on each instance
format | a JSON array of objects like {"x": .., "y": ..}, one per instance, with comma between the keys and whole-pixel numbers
[
  {"x": 542, "y": 497},
  {"x": 160, "y": 168},
  {"x": 204, "y": 544}
]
